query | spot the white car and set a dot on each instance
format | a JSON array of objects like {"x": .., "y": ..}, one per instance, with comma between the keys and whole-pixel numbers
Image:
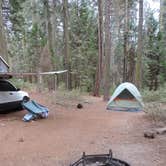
[{"x": 11, "y": 97}]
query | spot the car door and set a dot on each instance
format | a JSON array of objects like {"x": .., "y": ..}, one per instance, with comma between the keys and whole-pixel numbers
[{"x": 8, "y": 93}]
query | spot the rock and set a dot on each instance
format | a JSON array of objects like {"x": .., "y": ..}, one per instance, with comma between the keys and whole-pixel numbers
[
  {"x": 86, "y": 102},
  {"x": 92, "y": 142},
  {"x": 150, "y": 134},
  {"x": 21, "y": 139},
  {"x": 79, "y": 106},
  {"x": 161, "y": 130}
]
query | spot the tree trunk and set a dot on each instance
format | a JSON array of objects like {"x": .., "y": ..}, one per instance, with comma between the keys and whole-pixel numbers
[
  {"x": 100, "y": 49},
  {"x": 3, "y": 44},
  {"x": 107, "y": 49},
  {"x": 50, "y": 80},
  {"x": 140, "y": 47},
  {"x": 35, "y": 21},
  {"x": 163, "y": 32},
  {"x": 49, "y": 27},
  {"x": 54, "y": 31},
  {"x": 66, "y": 43},
  {"x": 163, "y": 22},
  {"x": 125, "y": 42},
  {"x": 162, "y": 16}
]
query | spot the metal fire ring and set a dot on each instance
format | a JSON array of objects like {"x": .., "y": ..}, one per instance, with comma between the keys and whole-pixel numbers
[{"x": 99, "y": 160}]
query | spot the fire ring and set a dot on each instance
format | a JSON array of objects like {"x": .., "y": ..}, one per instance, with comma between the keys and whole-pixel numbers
[{"x": 99, "y": 160}]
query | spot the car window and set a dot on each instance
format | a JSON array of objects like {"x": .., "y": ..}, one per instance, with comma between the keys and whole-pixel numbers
[{"x": 6, "y": 86}]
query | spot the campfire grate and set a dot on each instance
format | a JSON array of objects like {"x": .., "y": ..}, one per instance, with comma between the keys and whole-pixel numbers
[{"x": 99, "y": 160}]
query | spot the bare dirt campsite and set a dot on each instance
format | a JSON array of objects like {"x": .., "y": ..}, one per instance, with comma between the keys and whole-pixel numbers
[
  {"x": 90, "y": 78},
  {"x": 68, "y": 131}
]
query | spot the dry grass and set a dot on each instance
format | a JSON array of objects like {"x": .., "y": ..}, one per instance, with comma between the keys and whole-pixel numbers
[
  {"x": 65, "y": 98},
  {"x": 155, "y": 96},
  {"x": 20, "y": 83},
  {"x": 155, "y": 104},
  {"x": 156, "y": 110}
]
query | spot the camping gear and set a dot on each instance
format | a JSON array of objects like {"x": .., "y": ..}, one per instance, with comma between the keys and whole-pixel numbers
[
  {"x": 29, "y": 117},
  {"x": 35, "y": 110},
  {"x": 126, "y": 97},
  {"x": 99, "y": 160}
]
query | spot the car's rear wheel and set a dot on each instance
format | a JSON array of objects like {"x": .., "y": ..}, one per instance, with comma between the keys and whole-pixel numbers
[{"x": 26, "y": 99}]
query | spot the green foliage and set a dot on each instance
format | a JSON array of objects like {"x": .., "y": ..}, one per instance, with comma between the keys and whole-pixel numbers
[
  {"x": 65, "y": 98},
  {"x": 36, "y": 40},
  {"x": 28, "y": 35},
  {"x": 21, "y": 84},
  {"x": 156, "y": 111},
  {"x": 153, "y": 52},
  {"x": 83, "y": 40},
  {"x": 83, "y": 35},
  {"x": 16, "y": 15},
  {"x": 155, "y": 96},
  {"x": 162, "y": 59}
]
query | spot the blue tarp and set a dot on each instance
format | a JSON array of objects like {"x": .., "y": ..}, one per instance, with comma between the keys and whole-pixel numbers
[{"x": 35, "y": 110}]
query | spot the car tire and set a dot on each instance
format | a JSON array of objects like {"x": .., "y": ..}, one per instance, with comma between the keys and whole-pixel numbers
[{"x": 25, "y": 99}]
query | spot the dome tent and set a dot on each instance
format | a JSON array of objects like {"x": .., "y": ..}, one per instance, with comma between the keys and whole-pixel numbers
[{"x": 126, "y": 97}]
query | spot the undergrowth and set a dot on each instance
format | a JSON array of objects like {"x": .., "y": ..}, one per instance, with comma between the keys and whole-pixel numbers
[
  {"x": 155, "y": 96},
  {"x": 66, "y": 98},
  {"x": 21, "y": 84},
  {"x": 157, "y": 111},
  {"x": 155, "y": 103}
]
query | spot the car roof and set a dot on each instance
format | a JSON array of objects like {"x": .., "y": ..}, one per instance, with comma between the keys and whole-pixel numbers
[
  {"x": 2, "y": 80},
  {"x": 5, "y": 81}
]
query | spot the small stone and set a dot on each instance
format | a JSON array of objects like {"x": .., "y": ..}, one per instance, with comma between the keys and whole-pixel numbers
[
  {"x": 105, "y": 137},
  {"x": 21, "y": 139},
  {"x": 92, "y": 142},
  {"x": 79, "y": 106},
  {"x": 149, "y": 134},
  {"x": 86, "y": 102},
  {"x": 161, "y": 131}
]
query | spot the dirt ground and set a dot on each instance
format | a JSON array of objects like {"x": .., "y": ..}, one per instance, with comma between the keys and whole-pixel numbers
[{"x": 61, "y": 139}]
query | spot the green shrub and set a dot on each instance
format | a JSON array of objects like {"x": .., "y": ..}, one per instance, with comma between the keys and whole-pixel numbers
[
  {"x": 157, "y": 111},
  {"x": 153, "y": 96},
  {"x": 65, "y": 98},
  {"x": 74, "y": 94},
  {"x": 21, "y": 84}
]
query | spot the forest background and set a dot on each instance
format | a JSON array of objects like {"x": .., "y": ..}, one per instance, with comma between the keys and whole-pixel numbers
[{"x": 100, "y": 43}]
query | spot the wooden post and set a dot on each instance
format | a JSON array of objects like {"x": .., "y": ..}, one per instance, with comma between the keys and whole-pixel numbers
[
  {"x": 39, "y": 82},
  {"x": 55, "y": 82}
]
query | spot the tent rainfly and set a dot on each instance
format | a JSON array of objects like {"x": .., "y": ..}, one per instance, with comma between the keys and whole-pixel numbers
[{"x": 126, "y": 97}]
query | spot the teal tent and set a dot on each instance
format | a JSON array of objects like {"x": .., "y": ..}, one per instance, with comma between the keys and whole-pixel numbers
[{"x": 126, "y": 97}]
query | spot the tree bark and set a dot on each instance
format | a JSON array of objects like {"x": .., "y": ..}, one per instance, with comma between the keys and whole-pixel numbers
[
  {"x": 35, "y": 25},
  {"x": 3, "y": 43},
  {"x": 162, "y": 26},
  {"x": 100, "y": 49},
  {"x": 50, "y": 80},
  {"x": 66, "y": 43},
  {"x": 125, "y": 42},
  {"x": 54, "y": 29},
  {"x": 163, "y": 23},
  {"x": 49, "y": 27},
  {"x": 107, "y": 49},
  {"x": 140, "y": 47}
]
